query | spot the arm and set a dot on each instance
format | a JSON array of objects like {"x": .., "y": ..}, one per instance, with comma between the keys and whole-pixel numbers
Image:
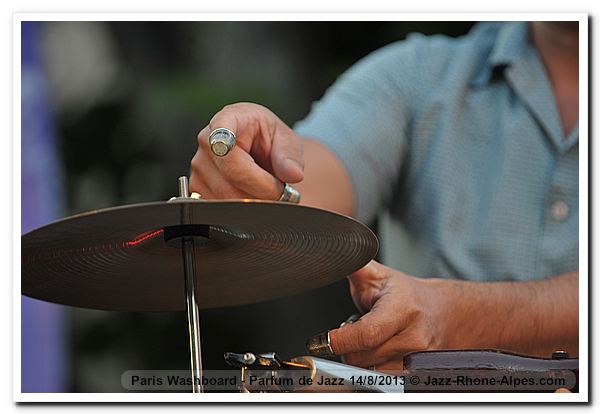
[
  {"x": 407, "y": 314},
  {"x": 326, "y": 183},
  {"x": 362, "y": 121},
  {"x": 534, "y": 317}
]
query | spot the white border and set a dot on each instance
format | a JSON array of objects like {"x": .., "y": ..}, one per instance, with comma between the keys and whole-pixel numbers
[
  {"x": 582, "y": 396},
  {"x": 303, "y": 16}
]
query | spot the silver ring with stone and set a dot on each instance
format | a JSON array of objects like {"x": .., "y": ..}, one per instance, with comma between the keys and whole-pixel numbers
[
  {"x": 221, "y": 141},
  {"x": 290, "y": 194}
]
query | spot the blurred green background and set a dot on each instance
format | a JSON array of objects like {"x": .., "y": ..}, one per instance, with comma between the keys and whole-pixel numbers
[{"x": 129, "y": 99}]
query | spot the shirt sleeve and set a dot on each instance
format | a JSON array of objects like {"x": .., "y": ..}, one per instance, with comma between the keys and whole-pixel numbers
[{"x": 364, "y": 118}]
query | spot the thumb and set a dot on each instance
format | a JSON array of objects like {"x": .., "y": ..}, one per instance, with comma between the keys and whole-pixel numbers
[
  {"x": 366, "y": 284},
  {"x": 287, "y": 158}
]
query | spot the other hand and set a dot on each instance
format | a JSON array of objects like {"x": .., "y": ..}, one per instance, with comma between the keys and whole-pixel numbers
[{"x": 403, "y": 314}]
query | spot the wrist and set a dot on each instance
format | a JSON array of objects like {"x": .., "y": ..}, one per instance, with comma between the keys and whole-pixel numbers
[{"x": 451, "y": 315}]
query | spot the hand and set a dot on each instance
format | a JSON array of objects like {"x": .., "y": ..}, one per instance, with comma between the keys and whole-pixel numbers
[
  {"x": 267, "y": 154},
  {"x": 404, "y": 314}
]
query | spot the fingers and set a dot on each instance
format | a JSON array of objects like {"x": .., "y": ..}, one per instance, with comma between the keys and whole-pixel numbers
[
  {"x": 374, "y": 327},
  {"x": 371, "y": 276},
  {"x": 240, "y": 170},
  {"x": 370, "y": 331},
  {"x": 267, "y": 153},
  {"x": 376, "y": 356},
  {"x": 236, "y": 175},
  {"x": 398, "y": 345},
  {"x": 214, "y": 186},
  {"x": 367, "y": 283},
  {"x": 393, "y": 325},
  {"x": 241, "y": 119},
  {"x": 287, "y": 160}
]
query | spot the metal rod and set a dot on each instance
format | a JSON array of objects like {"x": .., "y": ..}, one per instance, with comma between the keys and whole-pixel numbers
[
  {"x": 184, "y": 189},
  {"x": 192, "y": 313},
  {"x": 189, "y": 267}
]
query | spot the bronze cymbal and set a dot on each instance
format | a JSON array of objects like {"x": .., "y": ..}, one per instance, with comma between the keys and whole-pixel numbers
[{"x": 118, "y": 259}]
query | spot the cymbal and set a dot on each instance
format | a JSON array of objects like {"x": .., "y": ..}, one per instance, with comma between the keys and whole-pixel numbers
[{"x": 119, "y": 258}]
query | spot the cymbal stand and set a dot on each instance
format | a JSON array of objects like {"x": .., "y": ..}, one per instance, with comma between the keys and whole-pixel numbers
[{"x": 193, "y": 318}]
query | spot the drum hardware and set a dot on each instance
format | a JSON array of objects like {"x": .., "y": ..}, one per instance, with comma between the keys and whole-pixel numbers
[
  {"x": 189, "y": 266},
  {"x": 267, "y": 372},
  {"x": 231, "y": 253}
]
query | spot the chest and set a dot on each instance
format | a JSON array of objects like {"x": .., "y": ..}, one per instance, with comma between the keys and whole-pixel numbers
[{"x": 488, "y": 189}]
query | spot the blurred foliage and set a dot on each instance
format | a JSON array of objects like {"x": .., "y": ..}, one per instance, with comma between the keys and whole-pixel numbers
[{"x": 132, "y": 147}]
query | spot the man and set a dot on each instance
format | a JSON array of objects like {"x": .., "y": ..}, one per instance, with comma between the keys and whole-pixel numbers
[{"x": 470, "y": 148}]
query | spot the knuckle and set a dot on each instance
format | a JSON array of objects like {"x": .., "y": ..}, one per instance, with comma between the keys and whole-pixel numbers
[
  {"x": 244, "y": 105},
  {"x": 421, "y": 337},
  {"x": 195, "y": 159},
  {"x": 196, "y": 163},
  {"x": 229, "y": 107},
  {"x": 233, "y": 107},
  {"x": 370, "y": 336},
  {"x": 414, "y": 315},
  {"x": 424, "y": 341},
  {"x": 202, "y": 138}
]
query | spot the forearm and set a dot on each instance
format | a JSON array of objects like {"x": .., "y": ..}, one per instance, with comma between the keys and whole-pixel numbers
[{"x": 535, "y": 317}]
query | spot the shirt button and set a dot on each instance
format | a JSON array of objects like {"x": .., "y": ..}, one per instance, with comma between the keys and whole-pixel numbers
[{"x": 559, "y": 210}]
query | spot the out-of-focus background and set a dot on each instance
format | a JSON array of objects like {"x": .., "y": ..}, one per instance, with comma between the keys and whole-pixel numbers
[{"x": 110, "y": 114}]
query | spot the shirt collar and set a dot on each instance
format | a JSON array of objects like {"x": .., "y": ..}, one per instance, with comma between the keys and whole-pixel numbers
[
  {"x": 510, "y": 44},
  {"x": 521, "y": 66}
]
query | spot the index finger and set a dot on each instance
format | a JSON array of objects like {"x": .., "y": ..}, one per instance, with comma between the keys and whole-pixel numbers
[
  {"x": 240, "y": 119},
  {"x": 238, "y": 168},
  {"x": 370, "y": 331}
]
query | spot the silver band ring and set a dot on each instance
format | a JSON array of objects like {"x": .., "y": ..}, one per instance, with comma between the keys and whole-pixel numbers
[
  {"x": 221, "y": 141},
  {"x": 290, "y": 194},
  {"x": 320, "y": 345}
]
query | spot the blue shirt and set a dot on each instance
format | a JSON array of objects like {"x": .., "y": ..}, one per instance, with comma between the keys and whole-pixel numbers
[{"x": 456, "y": 145}]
